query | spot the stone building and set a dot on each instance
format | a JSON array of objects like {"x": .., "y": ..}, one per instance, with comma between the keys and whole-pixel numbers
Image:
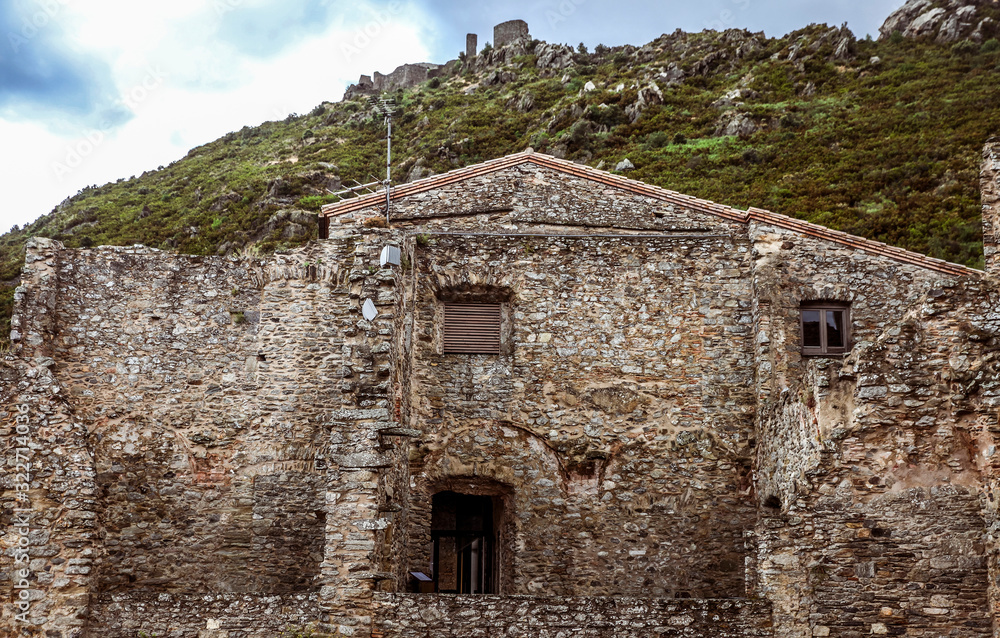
[{"x": 569, "y": 404}]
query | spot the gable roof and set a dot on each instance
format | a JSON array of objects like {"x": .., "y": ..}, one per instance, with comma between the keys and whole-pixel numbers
[{"x": 654, "y": 192}]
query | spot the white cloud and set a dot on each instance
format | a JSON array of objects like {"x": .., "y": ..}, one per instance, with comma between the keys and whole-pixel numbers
[{"x": 185, "y": 89}]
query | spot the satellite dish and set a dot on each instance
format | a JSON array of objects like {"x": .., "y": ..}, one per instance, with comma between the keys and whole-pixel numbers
[
  {"x": 369, "y": 310},
  {"x": 390, "y": 255}
]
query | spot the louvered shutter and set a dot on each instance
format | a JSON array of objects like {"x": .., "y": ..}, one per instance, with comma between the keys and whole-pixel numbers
[{"x": 472, "y": 328}]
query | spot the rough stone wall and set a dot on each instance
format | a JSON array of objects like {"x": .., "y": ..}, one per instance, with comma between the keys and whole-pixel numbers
[
  {"x": 802, "y": 398},
  {"x": 539, "y": 199},
  {"x": 367, "y": 488},
  {"x": 215, "y": 440},
  {"x": 989, "y": 188},
  {"x": 471, "y": 45},
  {"x": 427, "y": 616},
  {"x": 49, "y": 504},
  {"x": 402, "y": 77},
  {"x": 876, "y": 526},
  {"x": 230, "y": 413},
  {"x": 510, "y": 31},
  {"x": 127, "y": 615},
  {"x": 201, "y": 489},
  {"x": 620, "y": 416}
]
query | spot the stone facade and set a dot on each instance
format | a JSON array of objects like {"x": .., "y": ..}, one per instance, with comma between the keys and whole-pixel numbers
[{"x": 225, "y": 447}]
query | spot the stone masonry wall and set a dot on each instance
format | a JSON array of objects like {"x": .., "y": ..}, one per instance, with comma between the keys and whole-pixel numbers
[
  {"x": 450, "y": 616},
  {"x": 49, "y": 510},
  {"x": 876, "y": 527},
  {"x": 127, "y": 615},
  {"x": 528, "y": 196},
  {"x": 201, "y": 489},
  {"x": 230, "y": 414},
  {"x": 510, "y": 31},
  {"x": 989, "y": 187},
  {"x": 619, "y": 416}
]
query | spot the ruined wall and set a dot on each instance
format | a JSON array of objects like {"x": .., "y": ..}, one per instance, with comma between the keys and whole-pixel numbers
[
  {"x": 49, "y": 508},
  {"x": 510, "y": 31},
  {"x": 416, "y": 616},
  {"x": 206, "y": 482},
  {"x": 804, "y": 399},
  {"x": 876, "y": 525},
  {"x": 229, "y": 413},
  {"x": 620, "y": 414},
  {"x": 989, "y": 188}
]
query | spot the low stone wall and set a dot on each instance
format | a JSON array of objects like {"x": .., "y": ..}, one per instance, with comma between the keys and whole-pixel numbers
[
  {"x": 188, "y": 616},
  {"x": 444, "y": 616}
]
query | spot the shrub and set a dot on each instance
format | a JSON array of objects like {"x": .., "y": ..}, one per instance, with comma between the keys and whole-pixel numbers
[
  {"x": 657, "y": 139},
  {"x": 964, "y": 48}
]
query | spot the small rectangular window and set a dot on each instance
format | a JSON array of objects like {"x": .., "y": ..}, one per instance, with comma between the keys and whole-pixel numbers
[
  {"x": 472, "y": 328},
  {"x": 825, "y": 329}
]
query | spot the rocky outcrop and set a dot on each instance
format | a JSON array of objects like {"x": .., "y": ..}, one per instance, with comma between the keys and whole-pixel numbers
[
  {"x": 736, "y": 123},
  {"x": 553, "y": 56},
  {"x": 943, "y": 21},
  {"x": 648, "y": 96}
]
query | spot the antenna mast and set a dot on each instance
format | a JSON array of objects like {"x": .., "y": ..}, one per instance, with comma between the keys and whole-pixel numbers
[{"x": 386, "y": 106}]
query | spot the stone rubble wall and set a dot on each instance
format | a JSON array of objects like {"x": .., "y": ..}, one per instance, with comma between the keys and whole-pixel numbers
[
  {"x": 49, "y": 504},
  {"x": 227, "y": 413},
  {"x": 510, "y": 31},
  {"x": 451, "y": 616},
  {"x": 369, "y": 477},
  {"x": 804, "y": 399},
  {"x": 215, "y": 439},
  {"x": 877, "y": 527},
  {"x": 620, "y": 416},
  {"x": 989, "y": 188},
  {"x": 127, "y": 615},
  {"x": 531, "y": 195}
]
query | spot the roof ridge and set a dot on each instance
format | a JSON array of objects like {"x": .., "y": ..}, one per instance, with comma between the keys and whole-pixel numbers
[{"x": 656, "y": 192}]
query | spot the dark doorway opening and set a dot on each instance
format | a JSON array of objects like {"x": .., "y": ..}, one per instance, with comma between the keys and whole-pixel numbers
[{"x": 465, "y": 544}]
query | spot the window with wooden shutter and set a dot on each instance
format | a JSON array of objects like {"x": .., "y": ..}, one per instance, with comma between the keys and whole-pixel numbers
[{"x": 472, "y": 328}]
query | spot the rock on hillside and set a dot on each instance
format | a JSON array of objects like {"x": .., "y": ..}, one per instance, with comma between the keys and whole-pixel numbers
[{"x": 943, "y": 21}]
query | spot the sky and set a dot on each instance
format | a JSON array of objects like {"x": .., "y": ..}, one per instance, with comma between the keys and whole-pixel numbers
[{"x": 96, "y": 90}]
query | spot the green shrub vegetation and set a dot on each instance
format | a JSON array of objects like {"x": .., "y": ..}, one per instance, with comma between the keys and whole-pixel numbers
[{"x": 887, "y": 150}]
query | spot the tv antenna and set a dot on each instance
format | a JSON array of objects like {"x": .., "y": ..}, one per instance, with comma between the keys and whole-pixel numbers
[{"x": 386, "y": 107}]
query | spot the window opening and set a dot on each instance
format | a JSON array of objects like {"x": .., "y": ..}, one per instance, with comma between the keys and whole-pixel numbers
[
  {"x": 465, "y": 544},
  {"x": 825, "y": 329},
  {"x": 472, "y": 328}
]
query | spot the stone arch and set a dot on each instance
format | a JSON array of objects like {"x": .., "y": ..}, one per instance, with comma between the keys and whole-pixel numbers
[{"x": 522, "y": 473}]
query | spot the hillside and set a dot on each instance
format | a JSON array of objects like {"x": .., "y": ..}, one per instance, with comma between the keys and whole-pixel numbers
[{"x": 877, "y": 138}]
